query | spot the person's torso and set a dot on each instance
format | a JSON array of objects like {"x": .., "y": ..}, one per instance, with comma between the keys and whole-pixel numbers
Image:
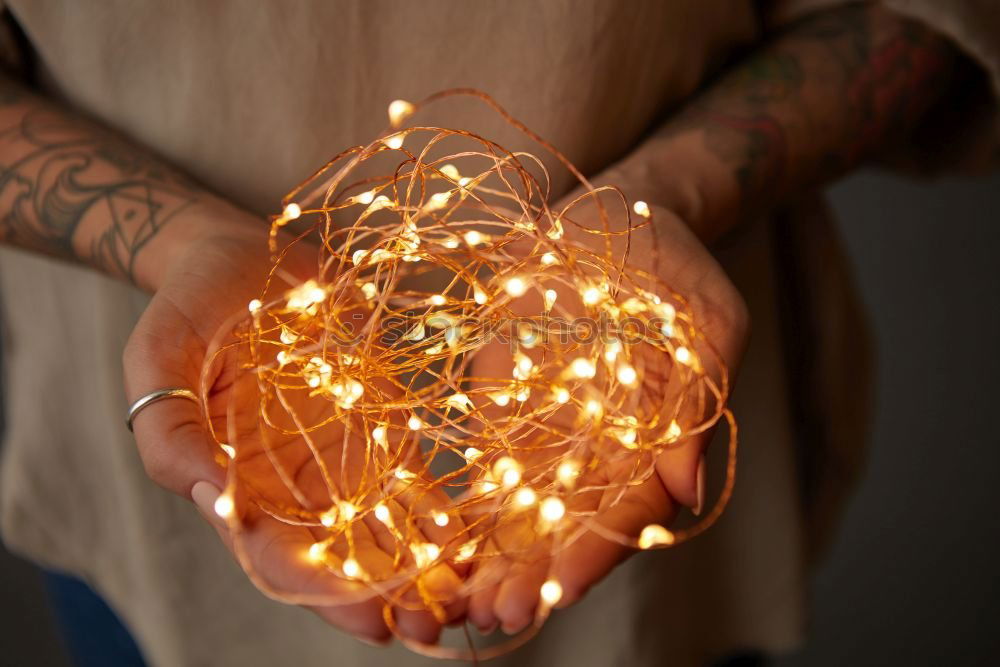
[{"x": 251, "y": 97}]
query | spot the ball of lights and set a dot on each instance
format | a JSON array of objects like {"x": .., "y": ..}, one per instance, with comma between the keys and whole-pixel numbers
[{"x": 443, "y": 358}]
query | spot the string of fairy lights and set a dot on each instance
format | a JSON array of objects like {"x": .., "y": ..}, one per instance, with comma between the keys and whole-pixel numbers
[{"x": 431, "y": 388}]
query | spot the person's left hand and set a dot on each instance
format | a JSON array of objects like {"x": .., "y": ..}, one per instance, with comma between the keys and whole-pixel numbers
[{"x": 681, "y": 261}]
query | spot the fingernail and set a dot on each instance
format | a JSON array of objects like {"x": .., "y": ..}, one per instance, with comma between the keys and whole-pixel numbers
[
  {"x": 514, "y": 628},
  {"x": 488, "y": 630},
  {"x": 373, "y": 642},
  {"x": 699, "y": 482},
  {"x": 204, "y": 495}
]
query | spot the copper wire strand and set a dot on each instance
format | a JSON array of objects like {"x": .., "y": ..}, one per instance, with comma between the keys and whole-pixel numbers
[{"x": 370, "y": 410}]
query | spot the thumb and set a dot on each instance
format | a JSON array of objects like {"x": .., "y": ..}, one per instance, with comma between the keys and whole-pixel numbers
[{"x": 171, "y": 434}]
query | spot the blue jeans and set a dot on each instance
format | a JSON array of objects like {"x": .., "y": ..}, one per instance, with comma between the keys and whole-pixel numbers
[{"x": 94, "y": 635}]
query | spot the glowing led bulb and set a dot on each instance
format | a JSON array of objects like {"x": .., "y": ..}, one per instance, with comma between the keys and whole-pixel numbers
[
  {"x": 317, "y": 552},
  {"x": 673, "y": 431},
  {"x": 292, "y": 211},
  {"x": 683, "y": 356},
  {"x": 425, "y": 553},
  {"x": 351, "y": 568},
  {"x": 316, "y": 294},
  {"x": 549, "y": 258},
  {"x": 583, "y": 368},
  {"x": 381, "y": 201},
  {"x": 525, "y": 497},
  {"x": 460, "y": 401},
  {"x": 404, "y": 475},
  {"x": 438, "y": 300},
  {"x": 399, "y": 110},
  {"x": 228, "y": 449},
  {"x": 552, "y": 509},
  {"x": 394, "y": 141},
  {"x": 556, "y": 232},
  {"x": 590, "y": 295},
  {"x": 437, "y": 201},
  {"x": 417, "y": 332},
  {"x": 329, "y": 517},
  {"x": 254, "y": 305},
  {"x": 366, "y": 197},
  {"x": 653, "y": 535},
  {"x": 567, "y": 472},
  {"x": 508, "y": 470},
  {"x": 641, "y": 208},
  {"x": 440, "y": 518},
  {"x": 347, "y": 510},
  {"x": 474, "y": 238},
  {"x": 487, "y": 486},
  {"x": 550, "y": 298},
  {"x": 471, "y": 454},
  {"x": 593, "y": 407},
  {"x": 414, "y": 423},
  {"x": 523, "y": 365},
  {"x": 480, "y": 296},
  {"x": 380, "y": 435},
  {"x": 288, "y": 336},
  {"x": 627, "y": 436},
  {"x": 466, "y": 551},
  {"x": 516, "y": 287},
  {"x": 382, "y": 513},
  {"x": 305, "y": 295},
  {"x": 627, "y": 374},
  {"x": 611, "y": 351},
  {"x": 666, "y": 311},
  {"x": 501, "y": 398},
  {"x": 561, "y": 395},
  {"x": 451, "y": 171},
  {"x": 551, "y": 592},
  {"x": 224, "y": 506}
]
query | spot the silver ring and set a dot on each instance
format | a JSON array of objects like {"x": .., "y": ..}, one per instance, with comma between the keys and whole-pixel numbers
[{"x": 158, "y": 395}]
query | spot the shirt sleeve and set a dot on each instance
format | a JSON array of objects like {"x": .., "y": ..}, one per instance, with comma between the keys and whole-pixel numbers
[{"x": 964, "y": 132}]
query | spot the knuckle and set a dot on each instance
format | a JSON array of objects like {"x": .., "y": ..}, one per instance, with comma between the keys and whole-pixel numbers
[
  {"x": 158, "y": 466},
  {"x": 738, "y": 314}
]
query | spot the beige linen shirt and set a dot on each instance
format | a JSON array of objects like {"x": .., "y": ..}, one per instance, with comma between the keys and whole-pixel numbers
[{"x": 250, "y": 98}]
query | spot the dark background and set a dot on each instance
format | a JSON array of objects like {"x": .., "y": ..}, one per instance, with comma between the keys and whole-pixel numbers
[{"x": 913, "y": 577}]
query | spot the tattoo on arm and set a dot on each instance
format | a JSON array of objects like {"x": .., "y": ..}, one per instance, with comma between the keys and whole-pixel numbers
[
  {"x": 75, "y": 191},
  {"x": 830, "y": 92}
]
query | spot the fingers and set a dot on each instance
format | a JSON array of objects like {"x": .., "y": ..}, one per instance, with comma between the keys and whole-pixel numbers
[
  {"x": 171, "y": 436},
  {"x": 277, "y": 554},
  {"x": 517, "y": 597},
  {"x": 175, "y": 449},
  {"x": 487, "y": 577},
  {"x": 513, "y": 601},
  {"x": 591, "y": 557},
  {"x": 681, "y": 470}
]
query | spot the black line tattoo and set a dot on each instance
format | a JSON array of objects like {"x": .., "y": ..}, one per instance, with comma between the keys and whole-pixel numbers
[{"x": 75, "y": 191}]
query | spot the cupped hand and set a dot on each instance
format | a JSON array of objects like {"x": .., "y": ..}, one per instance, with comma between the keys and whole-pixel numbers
[
  {"x": 205, "y": 279},
  {"x": 508, "y": 594}
]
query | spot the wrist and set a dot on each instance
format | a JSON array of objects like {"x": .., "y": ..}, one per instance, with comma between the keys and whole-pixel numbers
[
  {"x": 199, "y": 224},
  {"x": 674, "y": 171}
]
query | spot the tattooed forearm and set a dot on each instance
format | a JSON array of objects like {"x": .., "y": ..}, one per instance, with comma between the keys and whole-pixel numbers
[
  {"x": 811, "y": 103},
  {"x": 73, "y": 190}
]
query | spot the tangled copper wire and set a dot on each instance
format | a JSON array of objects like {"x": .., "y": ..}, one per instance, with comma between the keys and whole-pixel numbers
[{"x": 456, "y": 366}]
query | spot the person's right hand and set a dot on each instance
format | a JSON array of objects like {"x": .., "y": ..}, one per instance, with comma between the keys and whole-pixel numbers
[{"x": 209, "y": 274}]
